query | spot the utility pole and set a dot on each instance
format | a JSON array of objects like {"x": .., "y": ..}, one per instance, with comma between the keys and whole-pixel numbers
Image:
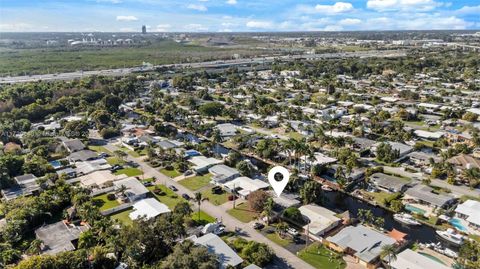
[
  {"x": 306, "y": 235},
  {"x": 234, "y": 196}
]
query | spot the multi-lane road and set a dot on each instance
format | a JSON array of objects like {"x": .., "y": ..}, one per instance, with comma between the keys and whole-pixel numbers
[{"x": 209, "y": 64}]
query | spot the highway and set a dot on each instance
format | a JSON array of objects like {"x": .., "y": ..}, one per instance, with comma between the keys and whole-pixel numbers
[{"x": 209, "y": 64}]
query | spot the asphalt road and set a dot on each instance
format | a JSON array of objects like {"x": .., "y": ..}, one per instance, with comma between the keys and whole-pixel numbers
[
  {"x": 210, "y": 64},
  {"x": 285, "y": 259}
]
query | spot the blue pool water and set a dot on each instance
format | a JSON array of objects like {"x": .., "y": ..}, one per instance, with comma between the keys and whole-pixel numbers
[
  {"x": 415, "y": 209},
  {"x": 56, "y": 164},
  {"x": 457, "y": 224}
]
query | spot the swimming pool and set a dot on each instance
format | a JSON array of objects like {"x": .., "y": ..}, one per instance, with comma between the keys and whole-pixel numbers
[
  {"x": 458, "y": 224},
  {"x": 431, "y": 257},
  {"x": 56, "y": 164},
  {"x": 416, "y": 210}
]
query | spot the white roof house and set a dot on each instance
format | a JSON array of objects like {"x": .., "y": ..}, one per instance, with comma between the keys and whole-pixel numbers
[
  {"x": 428, "y": 135},
  {"x": 149, "y": 208},
  {"x": 245, "y": 185},
  {"x": 321, "y": 219},
  {"x": 470, "y": 211},
  {"x": 134, "y": 189},
  {"x": 226, "y": 256},
  {"x": 227, "y": 129},
  {"x": 202, "y": 163},
  {"x": 409, "y": 259},
  {"x": 222, "y": 173}
]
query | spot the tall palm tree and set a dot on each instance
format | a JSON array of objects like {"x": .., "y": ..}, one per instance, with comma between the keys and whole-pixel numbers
[
  {"x": 389, "y": 251},
  {"x": 198, "y": 200},
  {"x": 268, "y": 209}
]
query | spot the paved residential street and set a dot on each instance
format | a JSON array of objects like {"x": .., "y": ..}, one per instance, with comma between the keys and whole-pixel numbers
[{"x": 286, "y": 258}]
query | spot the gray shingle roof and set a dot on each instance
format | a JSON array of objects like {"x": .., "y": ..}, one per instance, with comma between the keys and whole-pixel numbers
[{"x": 424, "y": 193}]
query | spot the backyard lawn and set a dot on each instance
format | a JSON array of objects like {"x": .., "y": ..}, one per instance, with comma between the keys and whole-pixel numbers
[
  {"x": 104, "y": 203},
  {"x": 114, "y": 160},
  {"x": 170, "y": 173},
  {"x": 203, "y": 219},
  {"x": 129, "y": 151},
  {"x": 216, "y": 199},
  {"x": 171, "y": 199},
  {"x": 318, "y": 256},
  {"x": 131, "y": 172},
  {"x": 123, "y": 217},
  {"x": 243, "y": 213},
  {"x": 197, "y": 182}
]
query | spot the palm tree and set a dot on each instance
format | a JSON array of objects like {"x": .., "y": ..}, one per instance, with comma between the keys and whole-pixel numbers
[
  {"x": 268, "y": 209},
  {"x": 198, "y": 199},
  {"x": 281, "y": 228},
  {"x": 389, "y": 251}
]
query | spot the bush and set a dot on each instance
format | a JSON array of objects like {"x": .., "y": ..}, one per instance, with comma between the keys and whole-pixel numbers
[
  {"x": 111, "y": 196},
  {"x": 294, "y": 214}
]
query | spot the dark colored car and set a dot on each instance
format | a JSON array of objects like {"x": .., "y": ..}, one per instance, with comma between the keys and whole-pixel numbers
[
  {"x": 186, "y": 196},
  {"x": 173, "y": 188},
  {"x": 258, "y": 226}
]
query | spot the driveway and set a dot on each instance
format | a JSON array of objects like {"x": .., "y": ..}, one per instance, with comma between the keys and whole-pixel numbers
[{"x": 286, "y": 259}]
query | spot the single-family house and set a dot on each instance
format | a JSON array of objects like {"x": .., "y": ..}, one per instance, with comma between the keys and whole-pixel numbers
[
  {"x": 388, "y": 183},
  {"x": 227, "y": 257},
  {"x": 73, "y": 145},
  {"x": 202, "y": 163},
  {"x": 222, "y": 173},
  {"x": 24, "y": 185},
  {"x": 82, "y": 155},
  {"x": 227, "y": 129},
  {"x": 59, "y": 236},
  {"x": 134, "y": 190},
  {"x": 409, "y": 259},
  {"x": 148, "y": 208},
  {"x": 363, "y": 243},
  {"x": 243, "y": 186},
  {"x": 424, "y": 194},
  {"x": 321, "y": 220},
  {"x": 469, "y": 211}
]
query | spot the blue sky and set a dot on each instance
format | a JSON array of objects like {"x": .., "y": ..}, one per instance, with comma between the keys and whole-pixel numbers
[{"x": 237, "y": 15}]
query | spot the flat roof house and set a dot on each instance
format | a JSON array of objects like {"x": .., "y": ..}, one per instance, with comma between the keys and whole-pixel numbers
[
  {"x": 25, "y": 185},
  {"x": 425, "y": 195},
  {"x": 321, "y": 219},
  {"x": 222, "y": 173},
  {"x": 59, "y": 237},
  {"x": 82, "y": 155},
  {"x": 409, "y": 259},
  {"x": 469, "y": 211},
  {"x": 134, "y": 188},
  {"x": 73, "y": 145},
  {"x": 148, "y": 208},
  {"x": 227, "y": 129},
  {"x": 226, "y": 256},
  {"x": 202, "y": 163},
  {"x": 362, "y": 243},
  {"x": 388, "y": 183},
  {"x": 245, "y": 185}
]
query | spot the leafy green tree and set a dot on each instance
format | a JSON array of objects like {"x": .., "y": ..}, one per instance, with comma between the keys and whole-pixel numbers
[
  {"x": 389, "y": 252},
  {"x": 211, "y": 109},
  {"x": 76, "y": 129},
  {"x": 186, "y": 255},
  {"x": 310, "y": 192}
]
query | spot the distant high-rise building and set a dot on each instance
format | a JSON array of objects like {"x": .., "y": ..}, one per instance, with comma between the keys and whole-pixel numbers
[{"x": 144, "y": 29}]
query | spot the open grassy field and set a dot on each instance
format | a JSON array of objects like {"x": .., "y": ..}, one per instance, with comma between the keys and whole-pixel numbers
[
  {"x": 216, "y": 199},
  {"x": 104, "y": 203},
  {"x": 170, "y": 173},
  {"x": 53, "y": 60},
  {"x": 123, "y": 217},
  {"x": 171, "y": 199},
  {"x": 131, "y": 172},
  {"x": 197, "y": 182}
]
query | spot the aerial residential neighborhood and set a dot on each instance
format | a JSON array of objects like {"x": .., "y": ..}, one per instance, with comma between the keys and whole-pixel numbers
[{"x": 185, "y": 146}]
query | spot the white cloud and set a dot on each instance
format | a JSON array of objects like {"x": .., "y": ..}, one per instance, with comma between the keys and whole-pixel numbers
[
  {"x": 127, "y": 18},
  {"x": 416, "y": 5},
  {"x": 110, "y": 1},
  {"x": 197, "y": 7},
  {"x": 195, "y": 27},
  {"x": 409, "y": 22},
  {"x": 232, "y": 2},
  {"x": 338, "y": 7},
  {"x": 332, "y": 28},
  {"x": 349, "y": 21},
  {"x": 13, "y": 27},
  {"x": 259, "y": 24},
  {"x": 469, "y": 10}
]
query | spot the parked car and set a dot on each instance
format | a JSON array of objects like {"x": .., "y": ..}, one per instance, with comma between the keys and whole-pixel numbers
[
  {"x": 147, "y": 184},
  {"x": 173, "y": 188},
  {"x": 188, "y": 172},
  {"x": 186, "y": 196},
  {"x": 103, "y": 155},
  {"x": 292, "y": 232},
  {"x": 258, "y": 226},
  {"x": 217, "y": 190},
  {"x": 116, "y": 168}
]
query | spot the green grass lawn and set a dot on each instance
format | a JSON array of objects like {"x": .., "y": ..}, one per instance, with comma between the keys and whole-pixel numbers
[
  {"x": 114, "y": 160},
  {"x": 295, "y": 135},
  {"x": 170, "y": 173},
  {"x": 197, "y": 182},
  {"x": 216, "y": 199},
  {"x": 379, "y": 197},
  {"x": 278, "y": 240},
  {"x": 123, "y": 217},
  {"x": 318, "y": 256},
  {"x": 203, "y": 219},
  {"x": 100, "y": 149},
  {"x": 104, "y": 203},
  {"x": 130, "y": 152},
  {"x": 131, "y": 172},
  {"x": 243, "y": 213},
  {"x": 171, "y": 199}
]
